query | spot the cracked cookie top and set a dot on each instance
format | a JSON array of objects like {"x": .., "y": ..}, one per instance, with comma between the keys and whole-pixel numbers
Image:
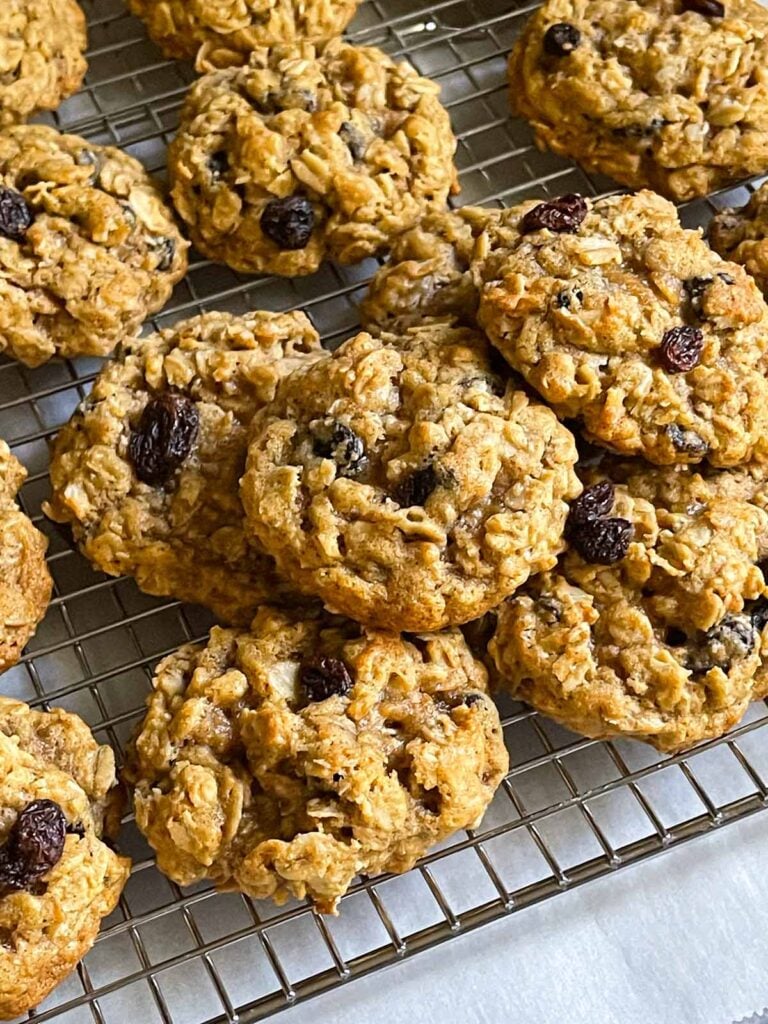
[
  {"x": 88, "y": 248},
  {"x": 306, "y": 154},
  {"x": 58, "y": 880},
  {"x": 286, "y": 760},
  {"x": 42, "y": 56},
  {"x": 406, "y": 482},
  {"x": 624, "y": 320},
  {"x": 428, "y": 273},
  {"x": 147, "y": 470},
  {"x": 668, "y": 94},
  {"x": 653, "y": 624},
  {"x": 222, "y": 34}
]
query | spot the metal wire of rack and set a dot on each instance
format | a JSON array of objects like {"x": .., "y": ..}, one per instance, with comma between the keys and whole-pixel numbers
[{"x": 570, "y": 810}]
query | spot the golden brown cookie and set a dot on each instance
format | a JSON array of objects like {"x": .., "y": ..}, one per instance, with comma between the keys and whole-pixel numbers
[
  {"x": 406, "y": 483},
  {"x": 42, "y": 56},
  {"x": 624, "y": 320},
  {"x": 286, "y": 760},
  {"x": 26, "y": 582},
  {"x": 222, "y": 34},
  {"x": 58, "y": 880},
  {"x": 305, "y": 155},
  {"x": 742, "y": 236},
  {"x": 147, "y": 470},
  {"x": 88, "y": 247},
  {"x": 653, "y": 625},
  {"x": 668, "y": 94}
]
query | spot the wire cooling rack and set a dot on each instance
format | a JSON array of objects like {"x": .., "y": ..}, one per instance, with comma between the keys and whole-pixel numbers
[{"x": 570, "y": 809}]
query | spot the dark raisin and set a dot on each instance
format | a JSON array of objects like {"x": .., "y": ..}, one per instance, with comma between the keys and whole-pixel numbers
[
  {"x": 354, "y": 139},
  {"x": 759, "y": 614},
  {"x": 560, "y": 215},
  {"x": 322, "y": 678},
  {"x": 15, "y": 215},
  {"x": 164, "y": 437},
  {"x": 166, "y": 252},
  {"x": 681, "y": 348},
  {"x": 641, "y": 131},
  {"x": 694, "y": 289},
  {"x": 338, "y": 777},
  {"x": 561, "y": 40},
  {"x": 218, "y": 164},
  {"x": 686, "y": 440},
  {"x": 447, "y": 702},
  {"x": 336, "y": 441},
  {"x": 595, "y": 502},
  {"x": 288, "y": 222},
  {"x": 565, "y": 299},
  {"x": 416, "y": 488},
  {"x": 603, "y": 541},
  {"x": 730, "y": 640},
  {"x": 709, "y": 8},
  {"x": 676, "y": 637},
  {"x": 34, "y": 845}
]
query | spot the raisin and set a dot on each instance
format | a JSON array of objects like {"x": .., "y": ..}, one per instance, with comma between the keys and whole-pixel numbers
[
  {"x": 730, "y": 640},
  {"x": 288, "y": 222},
  {"x": 758, "y": 612},
  {"x": 354, "y": 139},
  {"x": 695, "y": 287},
  {"x": 709, "y": 8},
  {"x": 15, "y": 215},
  {"x": 447, "y": 702},
  {"x": 34, "y": 845},
  {"x": 603, "y": 541},
  {"x": 164, "y": 437},
  {"x": 641, "y": 131},
  {"x": 681, "y": 348},
  {"x": 561, "y": 40},
  {"x": 218, "y": 164},
  {"x": 322, "y": 678},
  {"x": 166, "y": 252},
  {"x": 416, "y": 488},
  {"x": 336, "y": 441},
  {"x": 566, "y": 299},
  {"x": 561, "y": 215},
  {"x": 595, "y": 502},
  {"x": 686, "y": 440}
]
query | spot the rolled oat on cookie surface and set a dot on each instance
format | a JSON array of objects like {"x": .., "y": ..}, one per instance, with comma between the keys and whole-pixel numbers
[
  {"x": 285, "y": 760},
  {"x": 309, "y": 154}
]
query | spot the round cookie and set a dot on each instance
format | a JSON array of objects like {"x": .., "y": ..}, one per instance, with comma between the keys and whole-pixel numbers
[
  {"x": 286, "y": 760},
  {"x": 305, "y": 155},
  {"x": 668, "y": 94},
  {"x": 146, "y": 472},
  {"x": 58, "y": 880},
  {"x": 219, "y": 35},
  {"x": 88, "y": 248},
  {"x": 622, "y": 319},
  {"x": 407, "y": 484},
  {"x": 42, "y": 62},
  {"x": 27, "y": 584},
  {"x": 742, "y": 236},
  {"x": 428, "y": 273},
  {"x": 650, "y": 627}
]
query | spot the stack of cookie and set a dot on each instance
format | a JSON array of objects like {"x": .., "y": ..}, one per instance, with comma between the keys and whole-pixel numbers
[{"x": 542, "y": 462}]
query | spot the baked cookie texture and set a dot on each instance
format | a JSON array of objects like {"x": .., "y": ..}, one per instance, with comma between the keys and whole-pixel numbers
[
  {"x": 742, "y": 236},
  {"x": 307, "y": 154},
  {"x": 27, "y": 584},
  {"x": 88, "y": 248},
  {"x": 147, "y": 470},
  {"x": 58, "y": 879},
  {"x": 625, "y": 321},
  {"x": 406, "y": 483},
  {"x": 285, "y": 760},
  {"x": 220, "y": 35},
  {"x": 662, "y": 639},
  {"x": 659, "y": 93},
  {"x": 42, "y": 56},
  {"x": 428, "y": 273}
]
